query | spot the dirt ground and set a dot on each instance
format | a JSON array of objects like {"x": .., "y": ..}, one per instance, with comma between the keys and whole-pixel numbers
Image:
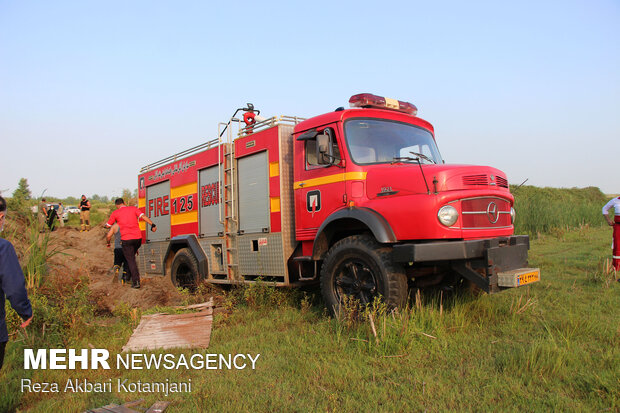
[{"x": 85, "y": 253}]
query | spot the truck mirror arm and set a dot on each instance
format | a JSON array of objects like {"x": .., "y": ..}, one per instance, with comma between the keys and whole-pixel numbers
[
  {"x": 333, "y": 160},
  {"x": 324, "y": 145}
]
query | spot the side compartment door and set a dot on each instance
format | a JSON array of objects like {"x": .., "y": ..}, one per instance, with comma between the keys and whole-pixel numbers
[
  {"x": 319, "y": 184},
  {"x": 210, "y": 197},
  {"x": 253, "y": 193},
  {"x": 158, "y": 210}
]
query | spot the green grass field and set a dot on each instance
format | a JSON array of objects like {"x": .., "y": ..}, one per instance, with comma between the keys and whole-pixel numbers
[{"x": 554, "y": 345}]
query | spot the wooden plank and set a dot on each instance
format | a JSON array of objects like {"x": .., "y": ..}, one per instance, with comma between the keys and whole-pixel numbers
[
  {"x": 112, "y": 408},
  {"x": 164, "y": 331},
  {"x": 123, "y": 409},
  {"x": 158, "y": 407},
  {"x": 133, "y": 403},
  {"x": 104, "y": 409},
  {"x": 194, "y": 306}
]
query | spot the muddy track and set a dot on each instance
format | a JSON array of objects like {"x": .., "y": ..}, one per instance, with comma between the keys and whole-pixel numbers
[{"x": 85, "y": 254}]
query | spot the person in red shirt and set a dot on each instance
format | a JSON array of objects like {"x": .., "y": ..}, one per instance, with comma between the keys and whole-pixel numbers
[{"x": 127, "y": 218}]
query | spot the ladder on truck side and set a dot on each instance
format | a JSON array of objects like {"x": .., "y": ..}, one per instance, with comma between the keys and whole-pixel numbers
[{"x": 227, "y": 169}]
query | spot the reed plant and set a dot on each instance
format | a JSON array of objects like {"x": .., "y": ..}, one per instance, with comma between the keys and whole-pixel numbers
[{"x": 556, "y": 210}]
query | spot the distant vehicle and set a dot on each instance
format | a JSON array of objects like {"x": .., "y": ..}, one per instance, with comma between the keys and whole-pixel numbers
[
  {"x": 72, "y": 210},
  {"x": 65, "y": 214}
]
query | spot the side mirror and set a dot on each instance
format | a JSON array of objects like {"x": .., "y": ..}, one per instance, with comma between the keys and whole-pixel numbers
[
  {"x": 322, "y": 142},
  {"x": 324, "y": 153}
]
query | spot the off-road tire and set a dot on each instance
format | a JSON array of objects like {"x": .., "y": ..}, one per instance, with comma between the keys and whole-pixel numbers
[
  {"x": 184, "y": 271},
  {"x": 361, "y": 258}
]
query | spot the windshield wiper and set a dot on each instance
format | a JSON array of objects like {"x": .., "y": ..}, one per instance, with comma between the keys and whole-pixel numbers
[
  {"x": 419, "y": 155},
  {"x": 403, "y": 158},
  {"x": 408, "y": 158}
]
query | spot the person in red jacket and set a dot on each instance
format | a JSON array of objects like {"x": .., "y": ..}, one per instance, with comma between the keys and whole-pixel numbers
[
  {"x": 12, "y": 285},
  {"x": 127, "y": 218}
]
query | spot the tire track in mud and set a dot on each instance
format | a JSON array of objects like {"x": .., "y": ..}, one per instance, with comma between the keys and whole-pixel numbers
[{"x": 85, "y": 254}]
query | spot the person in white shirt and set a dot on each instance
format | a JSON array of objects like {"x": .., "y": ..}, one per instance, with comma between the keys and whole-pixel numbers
[
  {"x": 615, "y": 204},
  {"x": 60, "y": 211}
]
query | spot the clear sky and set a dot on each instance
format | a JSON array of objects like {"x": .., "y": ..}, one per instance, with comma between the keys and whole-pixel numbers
[{"x": 90, "y": 91}]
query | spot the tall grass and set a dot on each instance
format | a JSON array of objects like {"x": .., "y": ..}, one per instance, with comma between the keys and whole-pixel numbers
[{"x": 551, "y": 210}]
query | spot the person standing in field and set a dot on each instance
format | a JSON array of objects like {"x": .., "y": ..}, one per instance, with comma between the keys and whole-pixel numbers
[
  {"x": 42, "y": 215},
  {"x": 84, "y": 214},
  {"x": 127, "y": 218},
  {"x": 12, "y": 285},
  {"x": 51, "y": 217},
  {"x": 615, "y": 246},
  {"x": 60, "y": 211}
]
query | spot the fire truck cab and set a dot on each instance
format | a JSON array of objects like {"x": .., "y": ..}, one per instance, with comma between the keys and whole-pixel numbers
[{"x": 358, "y": 199}]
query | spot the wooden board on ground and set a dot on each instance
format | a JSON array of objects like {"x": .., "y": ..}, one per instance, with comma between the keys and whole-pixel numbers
[
  {"x": 113, "y": 408},
  {"x": 164, "y": 331},
  {"x": 158, "y": 407}
]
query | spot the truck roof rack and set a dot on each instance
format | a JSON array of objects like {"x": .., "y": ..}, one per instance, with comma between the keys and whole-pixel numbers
[
  {"x": 258, "y": 126},
  {"x": 180, "y": 155}
]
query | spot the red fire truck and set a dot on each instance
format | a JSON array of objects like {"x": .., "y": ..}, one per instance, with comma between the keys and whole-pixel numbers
[{"x": 358, "y": 198}]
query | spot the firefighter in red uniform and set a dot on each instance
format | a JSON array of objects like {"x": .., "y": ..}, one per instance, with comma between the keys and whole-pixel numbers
[{"x": 615, "y": 204}]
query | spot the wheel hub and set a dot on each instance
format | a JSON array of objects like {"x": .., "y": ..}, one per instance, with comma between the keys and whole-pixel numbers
[{"x": 357, "y": 280}]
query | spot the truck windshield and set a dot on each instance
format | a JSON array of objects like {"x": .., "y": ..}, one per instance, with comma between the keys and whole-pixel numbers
[{"x": 372, "y": 141}]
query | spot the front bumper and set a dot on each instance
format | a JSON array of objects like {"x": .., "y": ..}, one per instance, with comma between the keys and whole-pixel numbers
[{"x": 485, "y": 262}]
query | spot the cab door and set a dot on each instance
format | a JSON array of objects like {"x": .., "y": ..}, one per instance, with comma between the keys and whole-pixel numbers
[{"x": 319, "y": 179}]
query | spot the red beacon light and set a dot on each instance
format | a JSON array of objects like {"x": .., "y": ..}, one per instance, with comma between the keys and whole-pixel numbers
[{"x": 367, "y": 100}]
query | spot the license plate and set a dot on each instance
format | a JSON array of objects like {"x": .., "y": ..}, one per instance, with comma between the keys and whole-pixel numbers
[
  {"x": 518, "y": 277},
  {"x": 528, "y": 277}
]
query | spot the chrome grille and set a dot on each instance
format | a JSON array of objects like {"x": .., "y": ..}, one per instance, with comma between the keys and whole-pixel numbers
[{"x": 485, "y": 212}]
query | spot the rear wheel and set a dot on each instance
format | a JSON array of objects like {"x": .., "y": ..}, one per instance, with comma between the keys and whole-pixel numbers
[
  {"x": 359, "y": 268},
  {"x": 184, "y": 271}
]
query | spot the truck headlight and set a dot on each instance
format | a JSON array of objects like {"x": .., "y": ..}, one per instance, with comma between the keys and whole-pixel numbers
[
  {"x": 447, "y": 215},
  {"x": 512, "y": 215}
]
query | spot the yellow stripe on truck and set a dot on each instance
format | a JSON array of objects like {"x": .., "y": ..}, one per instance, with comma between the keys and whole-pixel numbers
[
  {"x": 141, "y": 202},
  {"x": 330, "y": 179},
  {"x": 274, "y": 169},
  {"x": 185, "y": 218},
  {"x": 183, "y": 190}
]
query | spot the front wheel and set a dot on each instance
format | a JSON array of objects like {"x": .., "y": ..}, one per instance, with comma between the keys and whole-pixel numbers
[
  {"x": 359, "y": 268},
  {"x": 184, "y": 271}
]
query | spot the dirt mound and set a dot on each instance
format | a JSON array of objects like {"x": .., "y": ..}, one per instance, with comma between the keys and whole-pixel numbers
[{"x": 85, "y": 254}]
